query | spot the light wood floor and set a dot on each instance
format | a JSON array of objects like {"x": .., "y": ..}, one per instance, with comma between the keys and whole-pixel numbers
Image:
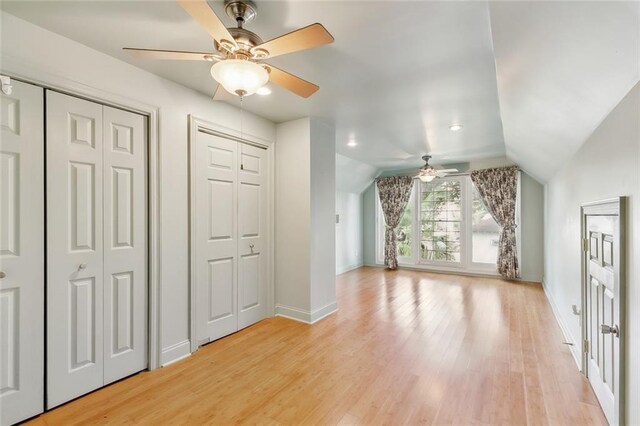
[{"x": 404, "y": 348}]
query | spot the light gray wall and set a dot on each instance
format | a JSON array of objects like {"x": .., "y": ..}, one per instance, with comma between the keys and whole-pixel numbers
[
  {"x": 304, "y": 211},
  {"x": 349, "y": 231},
  {"x": 43, "y": 56},
  {"x": 369, "y": 225},
  {"x": 606, "y": 166},
  {"x": 352, "y": 179},
  {"x": 532, "y": 226},
  {"x": 292, "y": 215},
  {"x": 323, "y": 207}
]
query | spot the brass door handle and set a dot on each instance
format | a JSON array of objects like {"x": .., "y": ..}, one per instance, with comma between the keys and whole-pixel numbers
[{"x": 2, "y": 275}]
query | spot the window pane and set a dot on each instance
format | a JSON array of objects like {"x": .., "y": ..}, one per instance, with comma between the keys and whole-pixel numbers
[
  {"x": 440, "y": 215},
  {"x": 403, "y": 231},
  {"x": 485, "y": 232}
]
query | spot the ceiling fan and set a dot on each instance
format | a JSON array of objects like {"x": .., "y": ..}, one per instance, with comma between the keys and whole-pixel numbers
[
  {"x": 427, "y": 173},
  {"x": 239, "y": 55}
]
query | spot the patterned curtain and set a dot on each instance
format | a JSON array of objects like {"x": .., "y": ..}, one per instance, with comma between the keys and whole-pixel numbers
[
  {"x": 498, "y": 189},
  {"x": 394, "y": 193}
]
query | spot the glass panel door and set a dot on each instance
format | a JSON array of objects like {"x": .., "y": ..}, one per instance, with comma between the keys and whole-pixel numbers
[{"x": 441, "y": 221}]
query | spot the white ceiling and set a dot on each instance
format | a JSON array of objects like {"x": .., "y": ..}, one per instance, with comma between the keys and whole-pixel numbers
[
  {"x": 400, "y": 73},
  {"x": 562, "y": 68}
]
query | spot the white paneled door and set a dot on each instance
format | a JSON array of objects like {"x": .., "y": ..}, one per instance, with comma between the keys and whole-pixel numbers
[
  {"x": 21, "y": 253},
  {"x": 604, "y": 308},
  {"x": 229, "y": 220},
  {"x": 252, "y": 225},
  {"x": 96, "y": 246},
  {"x": 216, "y": 243},
  {"x": 125, "y": 241}
]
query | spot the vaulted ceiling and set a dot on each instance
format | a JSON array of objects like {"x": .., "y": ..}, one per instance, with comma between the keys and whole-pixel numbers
[{"x": 530, "y": 80}]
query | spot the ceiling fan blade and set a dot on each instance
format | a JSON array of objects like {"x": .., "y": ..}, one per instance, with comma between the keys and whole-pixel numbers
[
  {"x": 219, "y": 93},
  {"x": 447, "y": 171},
  {"x": 206, "y": 17},
  {"x": 290, "y": 82},
  {"x": 305, "y": 38},
  {"x": 171, "y": 54}
]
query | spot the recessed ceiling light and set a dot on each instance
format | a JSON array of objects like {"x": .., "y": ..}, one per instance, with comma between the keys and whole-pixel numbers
[
  {"x": 264, "y": 90},
  {"x": 352, "y": 143},
  {"x": 455, "y": 127}
]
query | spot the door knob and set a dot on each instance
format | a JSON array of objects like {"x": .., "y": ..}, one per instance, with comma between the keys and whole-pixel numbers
[
  {"x": 606, "y": 329},
  {"x": 2, "y": 275},
  {"x": 82, "y": 267}
]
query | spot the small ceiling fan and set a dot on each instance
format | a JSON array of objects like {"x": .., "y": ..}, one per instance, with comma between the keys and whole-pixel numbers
[
  {"x": 427, "y": 173},
  {"x": 239, "y": 55}
]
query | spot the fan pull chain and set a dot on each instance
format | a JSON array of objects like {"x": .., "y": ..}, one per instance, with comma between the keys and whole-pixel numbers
[{"x": 241, "y": 126}]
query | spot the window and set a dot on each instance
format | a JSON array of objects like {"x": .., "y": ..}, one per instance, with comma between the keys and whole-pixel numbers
[
  {"x": 445, "y": 226},
  {"x": 440, "y": 220}
]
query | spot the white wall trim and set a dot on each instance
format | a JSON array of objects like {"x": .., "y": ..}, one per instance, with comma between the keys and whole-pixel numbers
[
  {"x": 293, "y": 313},
  {"x": 452, "y": 271},
  {"x": 576, "y": 349},
  {"x": 197, "y": 124},
  {"x": 304, "y": 316},
  {"x": 31, "y": 74},
  {"x": 175, "y": 353},
  {"x": 349, "y": 268},
  {"x": 323, "y": 312}
]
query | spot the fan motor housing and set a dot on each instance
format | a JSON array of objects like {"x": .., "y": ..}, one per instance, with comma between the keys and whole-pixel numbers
[{"x": 245, "y": 40}]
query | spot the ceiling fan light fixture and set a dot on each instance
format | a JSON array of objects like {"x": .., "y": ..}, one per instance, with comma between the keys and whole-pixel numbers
[
  {"x": 263, "y": 91},
  {"x": 240, "y": 77},
  {"x": 427, "y": 178}
]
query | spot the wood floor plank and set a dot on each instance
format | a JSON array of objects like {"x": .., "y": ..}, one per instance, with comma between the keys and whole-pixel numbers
[{"x": 405, "y": 347}]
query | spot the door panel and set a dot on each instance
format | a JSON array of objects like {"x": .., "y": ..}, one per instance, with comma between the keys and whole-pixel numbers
[
  {"x": 21, "y": 253},
  {"x": 221, "y": 297},
  {"x": 125, "y": 251},
  {"x": 74, "y": 252},
  {"x": 252, "y": 218},
  {"x": 603, "y": 309},
  {"x": 215, "y": 243}
]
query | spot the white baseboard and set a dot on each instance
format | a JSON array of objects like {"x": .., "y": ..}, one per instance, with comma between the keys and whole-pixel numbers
[
  {"x": 305, "y": 316},
  {"x": 349, "y": 268},
  {"x": 293, "y": 313},
  {"x": 323, "y": 312},
  {"x": 175, "y": 352},
  {"x": 577, "y": 346}
]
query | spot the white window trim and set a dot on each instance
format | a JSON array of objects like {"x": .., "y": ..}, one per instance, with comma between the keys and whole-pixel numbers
[{"x": 466, "y": 264}]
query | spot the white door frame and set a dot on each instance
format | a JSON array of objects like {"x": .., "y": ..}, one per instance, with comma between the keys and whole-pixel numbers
[
  {"x": 24, "y": 73},
  {"x": 609, "y": 207},
  {"x": 196, "y": 125}
]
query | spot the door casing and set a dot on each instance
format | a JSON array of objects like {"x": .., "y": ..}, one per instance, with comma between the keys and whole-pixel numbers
[
  {"x": 196, "y": 125},
  {"x": 608, "y": 207}
]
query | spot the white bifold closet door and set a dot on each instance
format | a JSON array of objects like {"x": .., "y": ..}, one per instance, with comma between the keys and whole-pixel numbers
[
  {"x": 96, "y": 246},
  {"x": 21, "y": 253},
  {"x": 229, "y": 190}
]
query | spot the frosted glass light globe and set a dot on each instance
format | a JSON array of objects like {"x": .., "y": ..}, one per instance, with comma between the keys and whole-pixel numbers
[{"x": 239, "y": 77}]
